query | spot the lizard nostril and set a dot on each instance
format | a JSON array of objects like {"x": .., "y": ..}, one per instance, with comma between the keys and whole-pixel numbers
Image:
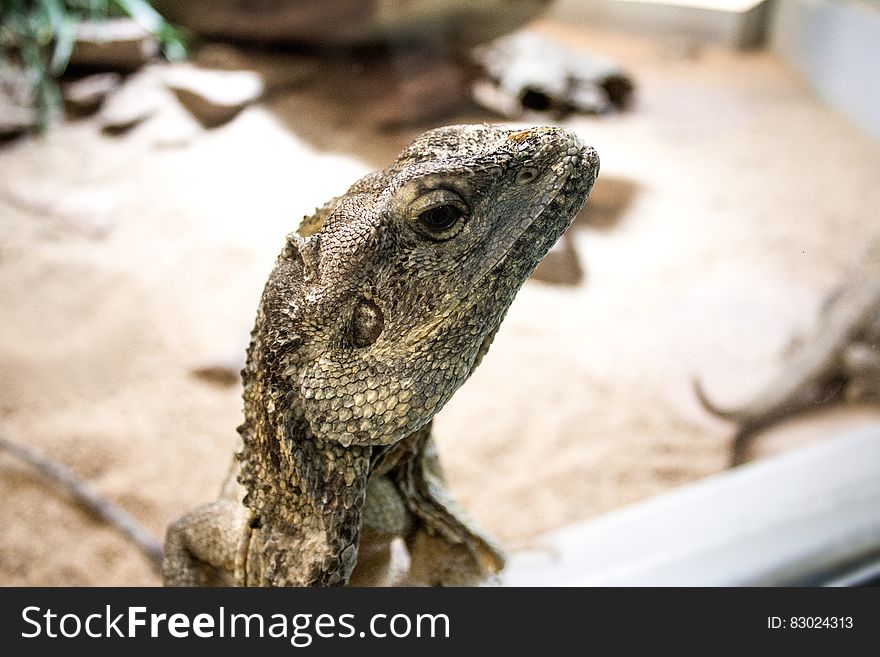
[{"x": 526, "y": 175}]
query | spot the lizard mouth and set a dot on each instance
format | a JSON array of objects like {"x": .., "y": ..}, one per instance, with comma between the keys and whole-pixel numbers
[{"x": 576, "y": 172}]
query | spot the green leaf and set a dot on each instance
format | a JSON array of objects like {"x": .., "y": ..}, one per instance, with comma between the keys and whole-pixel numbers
[
  {"x": 39, "y": 35},
  {"x": 142, "y": 13},
  {"x": 65, "y": 37}
]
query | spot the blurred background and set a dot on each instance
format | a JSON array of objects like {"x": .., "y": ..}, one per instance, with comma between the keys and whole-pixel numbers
[{"x": 154, "y": 155}]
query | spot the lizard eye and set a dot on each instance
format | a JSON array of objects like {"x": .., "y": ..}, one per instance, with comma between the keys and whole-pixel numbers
[
  {"x": 441, "y": 218},
  {"x": 440, "y": 214}
]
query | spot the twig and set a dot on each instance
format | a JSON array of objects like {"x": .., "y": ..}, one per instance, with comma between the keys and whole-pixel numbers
[{"x": 99, "y": 506}]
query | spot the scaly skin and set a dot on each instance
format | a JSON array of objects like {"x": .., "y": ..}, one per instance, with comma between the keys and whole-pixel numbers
[{"x": 378, "y": 309}]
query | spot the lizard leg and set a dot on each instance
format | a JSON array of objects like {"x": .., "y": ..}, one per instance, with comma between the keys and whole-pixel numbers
[
  {"x": 385, "y": 519},
  {"x": 200, "y": 547},
  {"x": 445, "y": 548}
]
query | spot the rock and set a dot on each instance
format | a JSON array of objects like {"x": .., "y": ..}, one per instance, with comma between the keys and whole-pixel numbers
[
  {"x": 213, "y": 97},
  {"x": 15, "y": 119},
  {"x": 277, "y": 69},
  {"x": 116, "y": 44},
  {"x": 416, "y": 87},
  {"x": 527, "y": 72},
  {"x": 224, "y": 369},
  {"x": 17, "y": 114},
  {"x": 332, "y": 23},
  {"x": 135, "y": 101},
  {"x": 145, "y": 98},
  {"x": 85, "y": 95},
  {"x": 218, "y": 374}
]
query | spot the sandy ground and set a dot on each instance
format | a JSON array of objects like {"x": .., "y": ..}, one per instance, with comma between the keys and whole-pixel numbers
[{"x": 730, "y": 201}]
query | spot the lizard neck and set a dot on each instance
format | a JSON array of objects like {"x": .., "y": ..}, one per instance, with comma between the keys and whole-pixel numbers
[
  {"x": 279, "y": 453},
  {"x": 304, "y": 494}
]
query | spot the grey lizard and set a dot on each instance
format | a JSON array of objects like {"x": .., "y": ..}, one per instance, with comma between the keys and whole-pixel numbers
[
  {"x": 839, "y": 360},
  {"x": 379, "y": 307}
]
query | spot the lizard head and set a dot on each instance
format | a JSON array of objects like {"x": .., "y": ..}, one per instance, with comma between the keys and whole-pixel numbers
[{"x": 382, "y": 306}]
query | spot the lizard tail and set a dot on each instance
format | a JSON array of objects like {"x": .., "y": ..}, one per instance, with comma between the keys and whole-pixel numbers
[
  {"x": 89, "y": 499},
  {"x": 739, "y": 448},
  {"x": 742, "y": 439},
  {"x": 731, "y": 415}
]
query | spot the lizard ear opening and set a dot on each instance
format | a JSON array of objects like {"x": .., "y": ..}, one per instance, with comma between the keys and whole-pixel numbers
[{"x": 367, "y": 322}]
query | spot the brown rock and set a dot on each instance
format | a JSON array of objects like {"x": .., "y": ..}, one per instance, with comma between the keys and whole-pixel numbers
[
  {"x": 218, "y": 374},
  {"x": 416, "y": 87},
  {"x": 352, "y": 22},
  {"x": 224, "y": 368},
  {"x": 15, "y": 119},
  {"x": 213, "y": 97},
  {"x": 138, "y": 99},
  {"x": 117, "y": 44},
  {"x": 277, "y": 69},
  {"x": 528, "y": 72},
  {"x": 86, "y": 95},
  {"x": 16, "y": 99}
]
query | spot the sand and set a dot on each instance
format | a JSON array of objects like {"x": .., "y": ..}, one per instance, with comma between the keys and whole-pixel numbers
[{"x": 730, "y": 200}]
